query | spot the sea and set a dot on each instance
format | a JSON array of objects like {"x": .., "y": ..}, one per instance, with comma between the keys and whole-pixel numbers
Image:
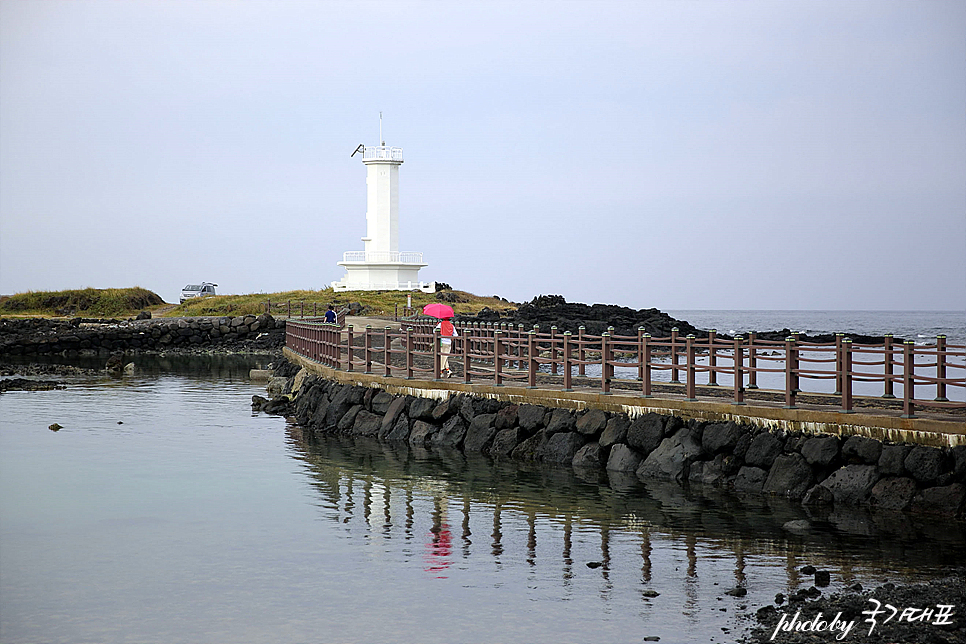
[
  {"x": 919, "y": 326},
  {"x": 166, "y": 511}
]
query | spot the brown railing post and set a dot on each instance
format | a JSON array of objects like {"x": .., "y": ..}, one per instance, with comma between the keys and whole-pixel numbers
[
  {"x": 887, "y": 354},
  {"x": 690, "y": 371},
  {"x": 317, "y": 347},
  {"x": 674, "y": 357},
  {"x": 268, "y": 304},
  {"x": 581, "y": 353},
  {"x": 302, "y": 308},
  {"x": 789, "y": 373},
  {"x": 941, "y": 369},
  {"x": 289, "y": 309},
  {"x": 640, "y": 353},
  {"x": 409, "y": 353},
  {"x": 466, "y": 358},
  {"x": 436, "y": 357},
  {"x": 567, "y": 377},
  {"x": 513, "y": 347},
  {"x": 350, "y": 349},
  {"x": 847, "y": 375},
  {"x": 387, "y": 350},
  {"x": 606, "y": 368},
  {"x": 497, "y": 357},
  {"x": 908, "y": 379},
  {"x": 368, "y": 349},
  {"x": 532, "y": 359},
  {"x": 739, "y": 363},
  {"x": 712, "y": 359},
  {"x": 646, "y": 359},
  {"x": 338, "y": 348},
  {"x": 553, "y": 350},
  {"x": 839, "y": 363},
  {"x": 752, "y": 361}
]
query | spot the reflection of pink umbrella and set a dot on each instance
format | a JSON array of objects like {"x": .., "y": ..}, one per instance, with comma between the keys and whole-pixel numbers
[{"x": 438, "y": 310}]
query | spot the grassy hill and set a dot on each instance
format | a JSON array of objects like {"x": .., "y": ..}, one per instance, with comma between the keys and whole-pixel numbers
[
  {"x": 88, "y": 302},
  {"x": 376, "y": 303},
  {"x": 127, "y": 302}
]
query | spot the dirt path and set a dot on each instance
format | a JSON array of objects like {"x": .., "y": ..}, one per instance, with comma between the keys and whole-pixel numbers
[{"x": 159, "y": 311}]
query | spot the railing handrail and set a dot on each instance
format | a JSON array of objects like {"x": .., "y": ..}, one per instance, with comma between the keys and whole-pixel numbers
[
  {"x": 371, "y": 256},
  {"x": 376, "y": 152}
]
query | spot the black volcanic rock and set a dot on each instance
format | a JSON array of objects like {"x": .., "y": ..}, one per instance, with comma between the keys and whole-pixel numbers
[{"x": 554, "y": 310}]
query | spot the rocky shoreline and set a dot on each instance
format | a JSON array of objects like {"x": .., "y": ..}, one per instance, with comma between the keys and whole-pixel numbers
[
  {"x": 817, "y": 471},
  {"x": 909, "y": 623},
  {"x": 84, "y": 337}
]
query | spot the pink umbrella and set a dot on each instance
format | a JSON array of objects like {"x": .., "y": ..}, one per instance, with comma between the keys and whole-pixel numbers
[{"x": 438, "y": 310}]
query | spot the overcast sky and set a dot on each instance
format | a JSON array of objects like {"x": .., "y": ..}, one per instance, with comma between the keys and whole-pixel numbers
[{"x": 681, "y": 155}]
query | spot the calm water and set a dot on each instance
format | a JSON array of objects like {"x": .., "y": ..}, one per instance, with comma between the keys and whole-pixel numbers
[{"x": 195, "y": 521}]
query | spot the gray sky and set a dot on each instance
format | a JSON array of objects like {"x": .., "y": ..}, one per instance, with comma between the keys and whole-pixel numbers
[{"x": 681, "y": 155}]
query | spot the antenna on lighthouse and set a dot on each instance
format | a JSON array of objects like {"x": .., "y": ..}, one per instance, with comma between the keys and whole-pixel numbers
[{"x": 380, "y": 130}]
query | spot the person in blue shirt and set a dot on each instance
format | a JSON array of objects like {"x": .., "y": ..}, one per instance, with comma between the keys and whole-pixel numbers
[{"x": 330, "y": 316}]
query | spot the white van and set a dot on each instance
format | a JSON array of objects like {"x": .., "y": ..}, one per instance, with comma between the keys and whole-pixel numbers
[{"x": 197, "y": 290}]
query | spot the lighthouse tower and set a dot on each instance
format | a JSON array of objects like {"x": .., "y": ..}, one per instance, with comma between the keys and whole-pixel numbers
[{"x": 381, "y": 267}]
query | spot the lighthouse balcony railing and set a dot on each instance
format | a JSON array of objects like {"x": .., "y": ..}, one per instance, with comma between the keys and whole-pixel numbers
[
  {"x": 371, "y": 257},
  {"x": 382, "y": 152}
]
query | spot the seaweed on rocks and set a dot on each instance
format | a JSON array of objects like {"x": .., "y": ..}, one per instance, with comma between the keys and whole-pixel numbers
[{"x": 26, "y": 384}]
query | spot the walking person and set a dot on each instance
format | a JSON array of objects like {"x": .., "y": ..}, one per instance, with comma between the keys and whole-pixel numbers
[
  {"x": 446, "y": 332},
  {"x": 330, "y": 315}
]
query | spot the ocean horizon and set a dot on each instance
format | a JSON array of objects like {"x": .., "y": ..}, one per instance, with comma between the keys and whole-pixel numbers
[{"x": 920, "y": 326}]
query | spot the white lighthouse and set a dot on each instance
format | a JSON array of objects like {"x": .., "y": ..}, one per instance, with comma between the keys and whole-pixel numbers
[{"x": 381, "y": 267}]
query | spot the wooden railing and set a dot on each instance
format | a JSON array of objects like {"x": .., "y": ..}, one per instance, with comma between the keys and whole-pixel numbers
[
  {"x": 302, "y": 310},
  {"x": 501, "y": 353}
]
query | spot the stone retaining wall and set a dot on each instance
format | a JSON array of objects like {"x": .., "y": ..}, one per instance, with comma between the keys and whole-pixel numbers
[
  {"x": 77, "y": 337},
  {"x": 813, "y": 469}
]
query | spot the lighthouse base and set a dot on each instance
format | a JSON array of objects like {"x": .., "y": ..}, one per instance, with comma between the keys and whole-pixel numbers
[{"x": 382, "y": 276}]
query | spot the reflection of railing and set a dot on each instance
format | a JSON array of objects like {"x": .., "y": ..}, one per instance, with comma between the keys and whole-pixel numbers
[
  {"x": 382, "y": 256},
  {"x": 379, "y": 489},
  {"x": 382, "y": 152},
  {"x": 502, "y": 352}
]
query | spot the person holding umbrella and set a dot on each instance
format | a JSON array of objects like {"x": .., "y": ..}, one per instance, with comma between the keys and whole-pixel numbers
[{"x": 446, "y": 331}]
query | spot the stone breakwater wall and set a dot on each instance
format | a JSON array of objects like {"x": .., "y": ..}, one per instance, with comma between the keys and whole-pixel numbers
[
  {"x": 816, "y": 470},
  {"x": 32, "y": 337}
]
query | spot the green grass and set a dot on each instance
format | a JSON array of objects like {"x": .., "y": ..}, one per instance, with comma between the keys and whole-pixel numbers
[
  {"x": 127, "y": 302},
  {"x": 88, "y": 302},
  {"x": 376, "y": 303}
]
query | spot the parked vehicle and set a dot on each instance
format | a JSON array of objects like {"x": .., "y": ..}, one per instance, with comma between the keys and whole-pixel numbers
[{"x": 197, "y": 290}]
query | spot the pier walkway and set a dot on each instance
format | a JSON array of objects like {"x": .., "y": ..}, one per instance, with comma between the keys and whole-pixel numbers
[{"x": 768, "y": 384}]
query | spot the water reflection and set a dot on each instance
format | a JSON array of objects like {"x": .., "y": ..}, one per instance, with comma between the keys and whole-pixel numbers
[
  {"x": 208, "y": 366},
  {"x": 701, "y": 537}
]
